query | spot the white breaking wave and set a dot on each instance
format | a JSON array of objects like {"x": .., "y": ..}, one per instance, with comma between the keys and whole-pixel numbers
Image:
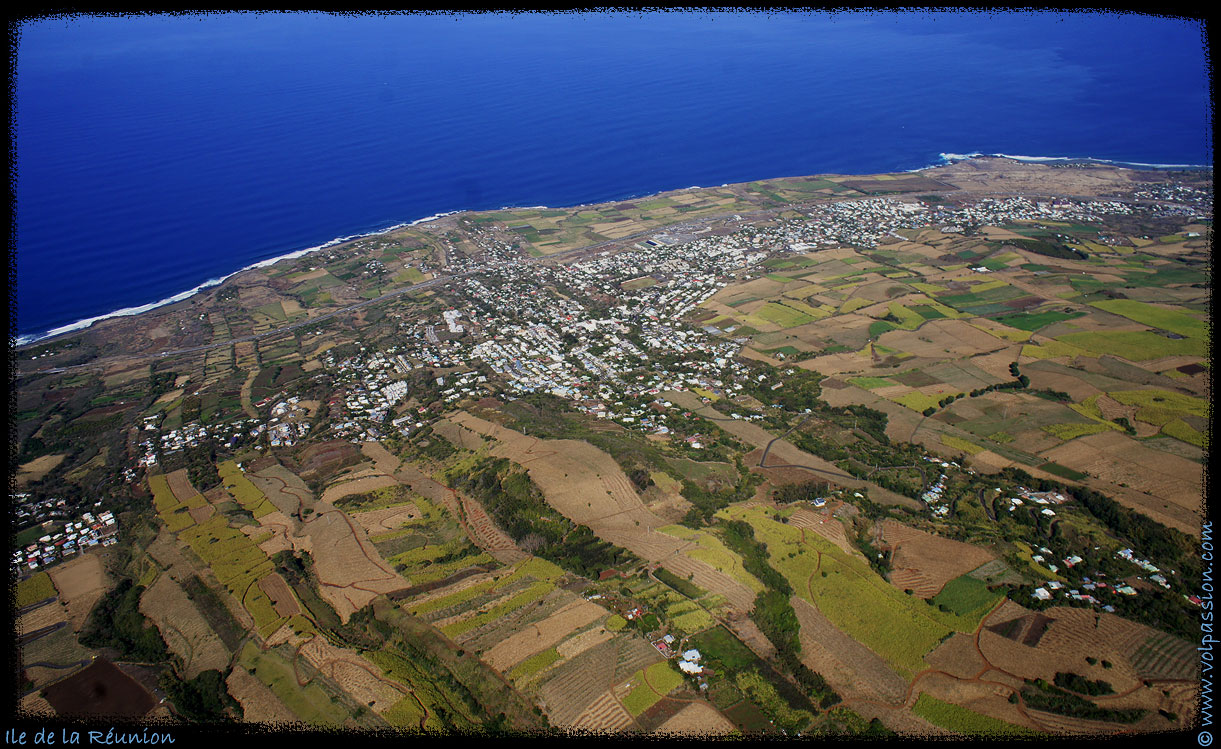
[
  {"x": 128, "y": 311},
  {"x": 951, "y": 157}
]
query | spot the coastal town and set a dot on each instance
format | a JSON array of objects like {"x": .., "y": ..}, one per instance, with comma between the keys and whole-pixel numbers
[{"x": 846, "y": 379}]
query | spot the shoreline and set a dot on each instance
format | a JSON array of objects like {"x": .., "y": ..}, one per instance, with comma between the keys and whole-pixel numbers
[{"x": 945, "y": 158}]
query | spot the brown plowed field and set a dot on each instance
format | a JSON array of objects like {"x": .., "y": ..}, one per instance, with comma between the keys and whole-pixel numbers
[
  {"x": 355, "y": 675},
  {"x": 350, "y": 571},
  {"x": 578, "y": 683},
  {"x": 1116, "y": 458},
  {"x": 487, "y": 535},
  {"x": 182, "y": 627},
  {"x": 542, "y": 635},
  {"x": 386, "y": 462},
  {"x": 388, "y": 519},
  {"x": 929, "y": 560},
  {"x": 587, "y": 486},
  {"x": 180, "y": 485},
  {"x": 80, "y": 582},
  {"x": 574, "y": 646},
  {"x": 44, "y": 616},
  {"x": 851, "y": 668},
  {"x": 699, "y": 719},
  {"x": 828, "y": 527},
  {"x": 357, "y": 486},
  {"x": 281, "y": 597},
  {"x": 259, "y": 704},
  {"x": 957, "y": 656},
  {"x": 606, "y": 714},
  {"x": 200, "y": 514}
]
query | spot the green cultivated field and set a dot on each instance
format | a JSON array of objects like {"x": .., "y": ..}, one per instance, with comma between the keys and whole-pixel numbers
[
  {"x": 962, "y": 720},
  {"x": 1135, "y": 345},
  {"x": 899, "y": 628},
  {"x": 966, "y": 596}
]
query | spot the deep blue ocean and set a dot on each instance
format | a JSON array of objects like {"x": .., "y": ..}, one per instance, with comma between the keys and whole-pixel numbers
[{"x": 158, "y": 153}]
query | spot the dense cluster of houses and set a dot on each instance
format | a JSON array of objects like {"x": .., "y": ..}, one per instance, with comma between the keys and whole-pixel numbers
[{"x": 64, "y": 542}]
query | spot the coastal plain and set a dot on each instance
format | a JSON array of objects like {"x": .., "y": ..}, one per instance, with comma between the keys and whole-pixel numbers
[{"x": 906, "y": 454}]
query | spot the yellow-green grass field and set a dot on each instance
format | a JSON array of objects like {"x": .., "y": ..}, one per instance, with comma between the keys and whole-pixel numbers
[
  {"x": 1135, "y": 345},
  {"x": 1175, "y": 321},
  {"x": 662, "y": 678},
  {"x": 238, "y": 564},
  {"x": 38, "y": 587},
  {"x": 245, "y": 493},
  {"x": 713, "y": 552},
  {"x": 960, "y": 444},
  {"x": 1073, "y": 431},
  {"x": 311, "y": 702},
  {"x": 898, "y": 627},
  {"x": 964, "y": 721},
  {"x": 525, "y": 670}
]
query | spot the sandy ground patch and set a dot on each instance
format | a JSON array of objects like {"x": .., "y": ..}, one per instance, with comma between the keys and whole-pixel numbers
[
  {"x": 698, "y": 718},
  {"x": 37, "y": 468},
  {"x": 259, "y": 704},
  {"x": 542, "y": 635},
  {"x": 80, "y": 582}
]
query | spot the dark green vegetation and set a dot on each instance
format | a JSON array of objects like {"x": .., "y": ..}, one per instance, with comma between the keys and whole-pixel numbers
[
  {"x": 1040, "y": 695},
  {"x": 518, "y": 506},
  {"x": 1082, "y": 685},
  {"x": 686, "y": 587},
  {"x": 772, "y": 611},
  {"x": 116, "y": 622}
]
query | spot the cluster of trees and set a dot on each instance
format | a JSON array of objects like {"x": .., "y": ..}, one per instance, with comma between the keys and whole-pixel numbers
[
  {"x": 116, "y": 622},
  {"x": 1082, "y": 685},
  {"x": 800, "y": 492},
  {"x": 705, "y": 502},
  {"x": 1043, "y": 696},
  {"x": 772, "y": 611},
  {"x": 518, "y": 506}
]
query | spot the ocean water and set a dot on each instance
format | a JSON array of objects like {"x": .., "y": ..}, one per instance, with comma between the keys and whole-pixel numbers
[{"x": 156, "y": 154}]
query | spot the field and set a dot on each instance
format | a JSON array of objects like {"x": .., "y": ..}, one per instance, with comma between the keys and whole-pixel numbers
[
  {"x": 964, "y": 721},
  {"x": 853, "y": 597},
  {"x": 37, "y": 588},
  {"x": 81, "y": 582},
  {"x": 309, "y": 702},
  {"x": 924, "y": 562},
  {"x": 185, "y": 632}
]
